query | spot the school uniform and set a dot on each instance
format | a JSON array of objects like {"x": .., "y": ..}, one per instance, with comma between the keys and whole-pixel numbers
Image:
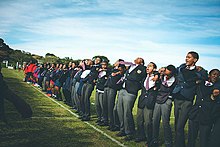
[
  {"x": 127, "y": 96},
  {"x": 162, "y": 109},
  {"x": 145, "y": 110},
  {"x": 206, "y": 113},
  {"x": 88, "y": 87},
  {"x": 72, "y": 85},
  {"x": 112, "y": 85},
  {"x": 99, "y": 102},
  {"x": 75, "y": 87},
  {"x": 184, "y": 94}
]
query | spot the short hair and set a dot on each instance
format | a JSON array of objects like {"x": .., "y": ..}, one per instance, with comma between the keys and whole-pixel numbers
[
  {"x": 105, "y": 62},
  {"x": 213, "y": 71},
  {"x": 1, "y": 40},
  {"x": 194, "y": 54},
  {"x": 143, "y": 61},
  {"x": 172, "y": 68},
  {"x": 121, "y": 60},
  {"x": 154, "y": 65}
]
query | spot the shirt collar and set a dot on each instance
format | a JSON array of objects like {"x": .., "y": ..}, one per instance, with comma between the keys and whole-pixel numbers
[
  {"x": 207, "y": 83},
  {"x": 190, "y": 67}
]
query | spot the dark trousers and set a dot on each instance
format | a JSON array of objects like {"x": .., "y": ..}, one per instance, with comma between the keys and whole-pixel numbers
[
  {"x": 204, "y": 135},
  {"x": 214, "y": 139},
  {"x": 109, "y": 103},
  {"x": 193, "y": 129},
  {"x": 181, "y": 110},
  {"x": 67, "y": 95},
  {"x": 2, "y": 110},
  {"x": 85, "y": 96}
]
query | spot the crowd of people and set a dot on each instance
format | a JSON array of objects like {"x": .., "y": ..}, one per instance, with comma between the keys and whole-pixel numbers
[{"x": 117, "y": 90}]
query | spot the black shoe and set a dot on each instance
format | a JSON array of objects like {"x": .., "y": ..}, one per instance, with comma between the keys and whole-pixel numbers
[
  {"x": 103, "y": 124},
  {"x": 121, "y": 134},
  {"x": 98, "y": 121},
  {"x": 115, "y": 129},
  {"x": 129, "y": 138},
  {"x": 86, "y": 119},
  {"x": 138, "y": 139},
  {"x": 110, "y": 128}
]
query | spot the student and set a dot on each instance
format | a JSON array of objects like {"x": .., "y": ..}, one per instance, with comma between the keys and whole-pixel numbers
[
  {"x": 163, "y": 106},
  {"x": 184, "y": 93},
  {"x": 146, "y": 104},
  {"x": 214, "y": 137},
  {"x": 112, "y": 85},
  {"x": 100, "y": 84},
  {"x": 127, "y": 96},
  {"x": 88, "y": 86},
  {"x": 207, "y": 99},
  {"x": 75, "y": 86}
]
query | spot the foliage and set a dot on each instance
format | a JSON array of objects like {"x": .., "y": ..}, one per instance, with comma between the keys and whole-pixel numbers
[
  {"x": 51, "y": 58},
  {"x": 20, "y": 56}
]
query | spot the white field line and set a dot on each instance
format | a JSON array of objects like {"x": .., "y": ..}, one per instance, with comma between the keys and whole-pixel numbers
[{"x": 74, "y": 114}]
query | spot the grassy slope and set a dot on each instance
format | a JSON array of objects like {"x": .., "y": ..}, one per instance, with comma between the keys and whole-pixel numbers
[{"x": 51, "y": 125}]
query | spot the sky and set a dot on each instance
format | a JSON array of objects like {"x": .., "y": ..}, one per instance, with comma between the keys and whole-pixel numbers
[{"x": 161, "y": 31}]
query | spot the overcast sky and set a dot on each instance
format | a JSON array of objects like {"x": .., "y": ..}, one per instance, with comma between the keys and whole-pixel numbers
[{"x": 162, "y": 31}]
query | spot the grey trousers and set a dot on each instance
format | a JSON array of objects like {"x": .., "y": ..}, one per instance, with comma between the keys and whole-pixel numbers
[
  {"x": 124, "y": 106},
  {"x": 109, "y": 104},
  {"x": 162, "y": 110},
  {"x": 44, "y": 88},
  {"x": 144, "y": 123},
  {"x": 85, "y": 97},
  {"x": 181, "y": 112},
  {"x": 99, "y": 104},
  {"x": 76, "y": 97}
]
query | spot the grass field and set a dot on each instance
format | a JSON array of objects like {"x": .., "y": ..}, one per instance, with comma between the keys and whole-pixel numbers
[{"x": 51, "y": 124}]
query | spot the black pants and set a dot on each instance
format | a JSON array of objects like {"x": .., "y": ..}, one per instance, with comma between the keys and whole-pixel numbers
[
  {"x": 2, "y": 110},
  {"x": 181, "y": 112},
  {"x": 193, "y": 129},
  {"x": 214, "y": 138}
]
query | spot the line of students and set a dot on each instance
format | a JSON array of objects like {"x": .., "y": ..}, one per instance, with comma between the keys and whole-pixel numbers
[{"x": 158, "y": 90}]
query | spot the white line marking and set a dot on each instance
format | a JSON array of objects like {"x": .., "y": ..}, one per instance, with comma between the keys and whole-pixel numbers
[{"x": 95, "y": 128}]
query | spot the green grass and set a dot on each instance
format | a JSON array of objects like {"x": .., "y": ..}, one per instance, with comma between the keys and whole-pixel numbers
[{"x": 51, "y": 124}]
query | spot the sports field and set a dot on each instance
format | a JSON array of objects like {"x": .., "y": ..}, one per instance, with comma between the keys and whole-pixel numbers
[{"x": 54, "y": 123}]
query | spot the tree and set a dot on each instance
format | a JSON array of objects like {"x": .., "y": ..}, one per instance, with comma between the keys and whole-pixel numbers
[{"x": 51, "y": 58}]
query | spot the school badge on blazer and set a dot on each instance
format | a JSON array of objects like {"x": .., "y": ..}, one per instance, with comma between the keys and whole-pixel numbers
[{"x": 138, "y": 71}]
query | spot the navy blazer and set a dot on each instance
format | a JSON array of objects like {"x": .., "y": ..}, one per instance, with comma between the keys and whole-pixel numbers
[
  {"x": 187, "y": 87},
  {"x": 134, "y": 78}
]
